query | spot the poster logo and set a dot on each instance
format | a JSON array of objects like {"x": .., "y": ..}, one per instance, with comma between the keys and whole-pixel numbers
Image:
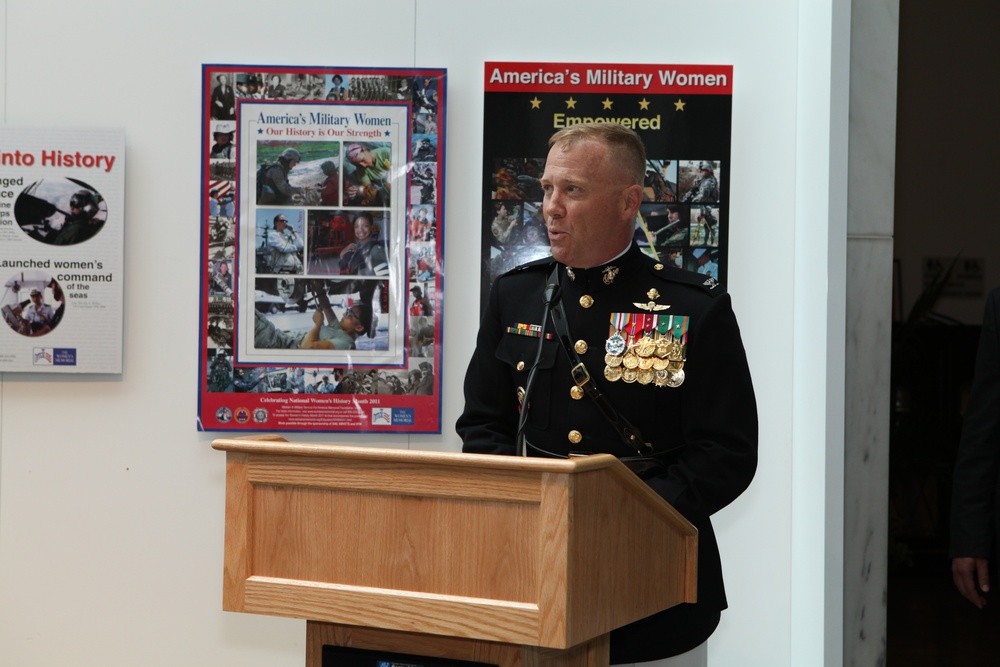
[
  {"x": 392, "y": 416},
  {"x": 53, "y": 356},
  {"x": 260, "y": 415},
  {"x": 242, "y": 415}
]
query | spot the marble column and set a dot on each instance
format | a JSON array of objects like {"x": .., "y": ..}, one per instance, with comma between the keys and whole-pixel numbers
[{"x": 867, "y": 329}]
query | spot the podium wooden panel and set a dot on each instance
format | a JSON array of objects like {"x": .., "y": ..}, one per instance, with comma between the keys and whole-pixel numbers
[{"x": 497, "y": 559}]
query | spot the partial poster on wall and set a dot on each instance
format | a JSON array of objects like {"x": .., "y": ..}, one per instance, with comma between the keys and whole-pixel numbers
[
  {"x": 62, "y": 215},
  {"x": 322, "y": 219},
  {"x": 683, "y": 113}
]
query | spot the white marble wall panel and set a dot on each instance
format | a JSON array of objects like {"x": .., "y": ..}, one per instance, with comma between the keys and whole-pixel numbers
[
  {"x": 868, "y": 331},
  {"x": 872, "y": 142},
  {"x": 868, "y": 325}
]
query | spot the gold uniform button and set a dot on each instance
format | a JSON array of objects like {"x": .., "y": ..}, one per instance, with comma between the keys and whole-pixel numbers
[
  {"x": 520, "y": 365},
  {"x": 658, "y": 267},
  {"x": 575, "y": 437},
  {"x": 576, "y": 393},
  {"x": 580, "y": 346},
  {"x": 586, "y": 301},
  {"x": 520, "y": 394}
]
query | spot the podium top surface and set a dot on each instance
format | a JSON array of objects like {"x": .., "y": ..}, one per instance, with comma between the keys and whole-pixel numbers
[{"x": 277, "y": 445}]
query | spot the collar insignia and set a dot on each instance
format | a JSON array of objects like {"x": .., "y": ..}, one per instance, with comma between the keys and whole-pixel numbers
[{"x": 610, "y": 273}]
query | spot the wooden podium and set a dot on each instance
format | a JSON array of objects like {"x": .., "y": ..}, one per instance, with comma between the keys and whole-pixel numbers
[{"x": 510, "y": 561}]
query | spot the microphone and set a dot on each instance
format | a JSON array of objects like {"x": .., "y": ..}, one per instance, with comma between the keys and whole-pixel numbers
[{"x": 551, "y": 296}]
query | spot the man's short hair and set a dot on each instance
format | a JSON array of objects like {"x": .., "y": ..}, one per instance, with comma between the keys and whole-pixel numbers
[{"x": 624, "y": 144}]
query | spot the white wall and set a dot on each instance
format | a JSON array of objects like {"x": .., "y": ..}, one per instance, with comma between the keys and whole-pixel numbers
[{"x": 111, "y": 504}]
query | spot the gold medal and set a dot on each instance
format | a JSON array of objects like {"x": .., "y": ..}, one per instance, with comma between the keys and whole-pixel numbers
[
  {"x": 630, "y": 375},
  {"x": 613, "y": 360},
  {"x": 645, "y": 347},
  {"x": 645, "y": 376},
  {"x": 646, "y": 363},
  {"x": 630, "y": 360},
  {"x": 612, "y": 373},
  {"x": 660, "y": 364}
]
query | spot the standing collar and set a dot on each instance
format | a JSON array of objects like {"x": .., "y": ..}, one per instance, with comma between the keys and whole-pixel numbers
[{"x": 605, "y": 275}]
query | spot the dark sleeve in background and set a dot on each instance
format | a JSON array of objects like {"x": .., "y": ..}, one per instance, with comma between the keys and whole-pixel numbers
[{"x": 974, "y": 494}]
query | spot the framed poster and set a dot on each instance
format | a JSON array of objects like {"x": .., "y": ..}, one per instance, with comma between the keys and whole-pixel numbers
[
  {"x": 683, "y": 113},
  {"x": 322, "y": 249},
  {"x": 62, "y": 215}
]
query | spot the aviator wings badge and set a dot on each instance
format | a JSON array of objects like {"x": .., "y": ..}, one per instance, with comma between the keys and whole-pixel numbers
[{"x": 651, "y": 305}]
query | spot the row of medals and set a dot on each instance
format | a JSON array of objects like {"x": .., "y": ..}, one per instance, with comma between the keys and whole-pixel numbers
[{"x": 653, "y": 360}]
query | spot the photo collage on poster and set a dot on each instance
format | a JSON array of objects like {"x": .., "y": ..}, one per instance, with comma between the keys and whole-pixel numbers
[
  {"x": 685, "y": 128},
  {"x": 678, "y": 219},
  {"x": 322, "y": 238}
]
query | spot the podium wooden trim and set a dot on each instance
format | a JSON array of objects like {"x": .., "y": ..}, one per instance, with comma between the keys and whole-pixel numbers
[{"x": 465, "y": 553}]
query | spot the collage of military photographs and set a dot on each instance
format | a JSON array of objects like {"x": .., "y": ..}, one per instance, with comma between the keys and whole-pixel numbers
[
  {"x": 324, "y": 239},
  {"x": 678, "y": 221}
]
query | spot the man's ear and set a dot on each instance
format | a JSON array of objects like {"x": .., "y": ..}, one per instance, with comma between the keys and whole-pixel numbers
[{"x": 632, "y": 199}]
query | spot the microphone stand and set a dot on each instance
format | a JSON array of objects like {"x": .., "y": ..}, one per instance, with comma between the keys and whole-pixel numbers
[{"x": 551, "y": 297}]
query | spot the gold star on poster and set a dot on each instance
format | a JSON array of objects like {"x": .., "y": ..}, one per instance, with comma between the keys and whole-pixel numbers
[
  {"x": 644, "y": 104},
  {"x": 571, "y": 103},
  {"x": 536, "y": 103},
  {"x": 678, "y": 105},
  {"x": 607, "y": 102}
]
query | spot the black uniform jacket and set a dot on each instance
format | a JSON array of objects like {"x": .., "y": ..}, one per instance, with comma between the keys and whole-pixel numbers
[
  {"x": 705, "y": 429},
  {"x": 975, "y": 503}
]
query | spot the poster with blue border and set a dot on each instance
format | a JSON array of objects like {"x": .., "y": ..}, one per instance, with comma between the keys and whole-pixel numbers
[{"x": 322, "y": 249}]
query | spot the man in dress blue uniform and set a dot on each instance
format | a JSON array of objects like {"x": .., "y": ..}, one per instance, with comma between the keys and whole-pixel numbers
[{"x": 661, "y": 344}]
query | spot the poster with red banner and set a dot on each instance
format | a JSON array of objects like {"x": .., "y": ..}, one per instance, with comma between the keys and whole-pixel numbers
[
  {"x": 322, "y": 219},
  {"x": 683, "y": 113}
]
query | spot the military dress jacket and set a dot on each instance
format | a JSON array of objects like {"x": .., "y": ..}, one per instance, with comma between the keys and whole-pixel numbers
[{"x": 705, "y": 429}]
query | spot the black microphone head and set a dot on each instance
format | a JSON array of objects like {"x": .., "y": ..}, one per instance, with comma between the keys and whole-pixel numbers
[{"x": 551, "y": 294}]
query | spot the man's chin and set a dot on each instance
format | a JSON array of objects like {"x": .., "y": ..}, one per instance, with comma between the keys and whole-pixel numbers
[{"x": 560, "y": 254}]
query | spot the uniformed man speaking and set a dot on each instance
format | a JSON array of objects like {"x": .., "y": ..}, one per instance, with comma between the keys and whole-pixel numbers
[{"x": 669, "y": 390}]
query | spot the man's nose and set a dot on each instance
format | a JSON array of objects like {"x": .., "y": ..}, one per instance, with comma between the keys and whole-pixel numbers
[{"x": 552, "y": 207}]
